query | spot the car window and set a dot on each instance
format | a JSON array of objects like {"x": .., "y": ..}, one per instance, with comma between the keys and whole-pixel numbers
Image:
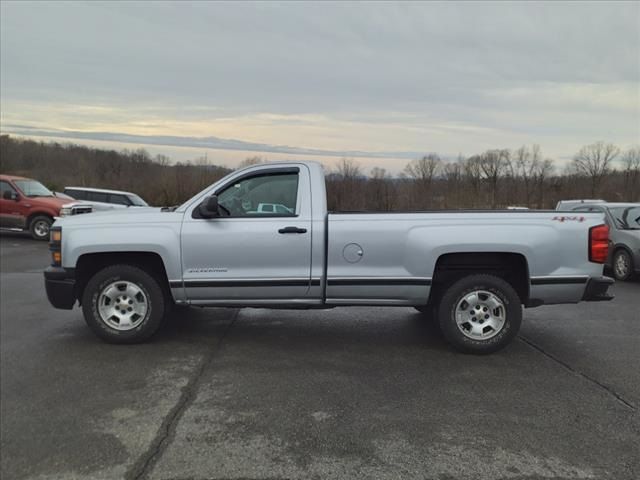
[
  {"x": 32, "y": 188},
  {"x": 244, "y": 197},
  {"x": 97, "y": 197},
  {"x": 77, "y": 194},
  {"x": 626, "y": 218},
  {"x": 5, "y": 187},
  {"x": 136, "y": 200},
  {"x": 119, "y": 199}
]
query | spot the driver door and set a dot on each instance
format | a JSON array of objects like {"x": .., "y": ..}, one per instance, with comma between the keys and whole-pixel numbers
[
  {"x": 248, "y": 254},
  {"x": 11, "y": 211}
]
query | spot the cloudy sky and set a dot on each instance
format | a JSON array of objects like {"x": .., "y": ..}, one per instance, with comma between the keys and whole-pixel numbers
[{"x": 382, "y": 82}]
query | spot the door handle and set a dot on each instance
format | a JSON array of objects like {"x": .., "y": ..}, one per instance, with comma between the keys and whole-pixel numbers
[{"x": 292, "y": 230}]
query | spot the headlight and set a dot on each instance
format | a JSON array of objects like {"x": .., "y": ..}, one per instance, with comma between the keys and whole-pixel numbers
[{"x": 66, "y": 211}]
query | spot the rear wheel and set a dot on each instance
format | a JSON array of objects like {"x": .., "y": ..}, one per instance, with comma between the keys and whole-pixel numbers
[
  {"x": 39, "y": 227},
  {"x": 123, "y": 304},
  {"x": 480, "y": 314},
  {"x": 622, "y": 265}
]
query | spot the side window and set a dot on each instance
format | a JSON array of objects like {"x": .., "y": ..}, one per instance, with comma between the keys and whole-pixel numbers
[
  {"x": 97, "y": 197},
  {"x": 77, "y": 194},
  {"x": 5, "y": 187},
  {"x": 119, "y": 199},
  {"x": 257, "y": 195}
]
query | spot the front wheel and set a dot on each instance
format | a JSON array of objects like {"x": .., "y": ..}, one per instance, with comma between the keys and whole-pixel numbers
[
  {"x": 40, "y": 226},
  {"x": 480, "y": 314},
  {"x": 123, "y": 304}
]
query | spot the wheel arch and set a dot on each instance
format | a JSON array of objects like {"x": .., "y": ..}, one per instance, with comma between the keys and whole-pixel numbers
[
  {"x": 90, "y": 263},
  {"x": 451, "y": 267},
  {"x": 37, "y": 213},
  {"x": 621, "y": 246}
]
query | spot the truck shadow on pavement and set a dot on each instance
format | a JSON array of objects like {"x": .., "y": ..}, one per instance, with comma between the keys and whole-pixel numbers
[{"x": 307, "y": 329}]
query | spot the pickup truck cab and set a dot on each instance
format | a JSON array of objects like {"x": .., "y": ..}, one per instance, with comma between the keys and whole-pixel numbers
[
  {"x": 471, "y": 271},
  {"x": 27, "y": 205}
]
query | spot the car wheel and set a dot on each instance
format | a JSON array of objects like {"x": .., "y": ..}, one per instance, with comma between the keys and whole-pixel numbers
[
  {"x": 622, "y": 265},
  {"x": 123, "y": 304},
  {"x": 480, "y": 314},
  {"x": 40, "y": 226}
]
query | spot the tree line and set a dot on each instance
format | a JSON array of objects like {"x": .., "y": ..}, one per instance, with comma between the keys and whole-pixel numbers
[
  {"x": 497, "y": 178},
  {"x": 493, "y": 179}
]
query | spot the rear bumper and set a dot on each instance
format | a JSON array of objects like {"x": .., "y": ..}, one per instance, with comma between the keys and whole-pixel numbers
[
  {"x": 60, "y": 284},
  {"x": 596, "y": 290}
]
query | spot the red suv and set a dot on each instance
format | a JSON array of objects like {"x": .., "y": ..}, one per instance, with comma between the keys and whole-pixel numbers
[{"x": 26, "y": 204}]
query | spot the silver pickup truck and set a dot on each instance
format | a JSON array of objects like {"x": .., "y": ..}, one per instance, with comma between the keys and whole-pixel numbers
[{"x": 472, "y": 272}]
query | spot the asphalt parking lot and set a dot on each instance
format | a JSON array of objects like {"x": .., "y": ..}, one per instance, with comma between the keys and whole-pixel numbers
[{"x": 346, "y": 393}]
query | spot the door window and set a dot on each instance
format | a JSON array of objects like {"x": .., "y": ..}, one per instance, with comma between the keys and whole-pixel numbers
[
  {"x": 119, "y": 199},
  {"x": 257, "y": 195},
  {"x": 97, "y": 197},
  {"x": 5, "y": 187},
  {"x": 76, "y": 194}
]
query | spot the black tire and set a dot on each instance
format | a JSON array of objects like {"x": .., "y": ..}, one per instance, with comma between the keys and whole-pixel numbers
[
  {"x": 618, "y": 272},
  {"x": 455, "y": 294},
  {"x": 39, "y": 227},
  {"x": 155, "y": 298}
]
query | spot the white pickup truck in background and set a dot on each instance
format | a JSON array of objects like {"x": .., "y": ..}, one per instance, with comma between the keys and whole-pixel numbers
[
  {"x": 472, "y": 271},
  {"x": 90, "y": 200}
]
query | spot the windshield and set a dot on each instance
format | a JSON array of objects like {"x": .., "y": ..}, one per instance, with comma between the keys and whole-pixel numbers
[
  {"x": 137, "y": 201},
  {"x": 31, "y": 188},
  {"x": 626, "y": 218}
]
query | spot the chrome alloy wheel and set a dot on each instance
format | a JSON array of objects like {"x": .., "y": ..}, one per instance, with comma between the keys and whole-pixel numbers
[
  {"x": 480, "y": 315},
  {"x": 621, "y": 265},
  {"x": 41, "y": 228},
  {"x": 122, "y": 305}
]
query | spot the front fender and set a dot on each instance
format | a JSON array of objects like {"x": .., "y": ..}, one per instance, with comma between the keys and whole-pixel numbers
[{"x": 163, "y": 240}]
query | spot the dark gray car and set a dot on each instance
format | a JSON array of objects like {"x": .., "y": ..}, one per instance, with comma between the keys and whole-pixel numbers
[{"x": 624, "y": 223}]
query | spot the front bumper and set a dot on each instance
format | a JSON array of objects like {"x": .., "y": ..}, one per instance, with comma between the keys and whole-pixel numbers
[
  {"x": 60, "y": 284},
  {"x": 596, "y": 290}
]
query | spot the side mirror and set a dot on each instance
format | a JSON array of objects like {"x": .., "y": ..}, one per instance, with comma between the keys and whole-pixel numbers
[
  {"x": 10, "y": 195},
  {"x": 209, "y": 207}
]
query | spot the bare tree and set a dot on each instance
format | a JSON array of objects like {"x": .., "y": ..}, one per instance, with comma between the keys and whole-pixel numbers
[
  {"x": 473, "y": 175},
  {"x": 348, "y": 169},
  {"x": 594, "y": 161},
  {"x": 543, "y": 169},
  {"x": 381, "y": 191},
  {"x": 452, "y": 173},
  {"x": 526, "y": 163},
  {"x": 631, "y": 172},
  {"x": 423, "y": 170},
  {"x": 247, "y": 162},
  {"x": 493, "y": 164},
  {"x": 344, "y": 186}
]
